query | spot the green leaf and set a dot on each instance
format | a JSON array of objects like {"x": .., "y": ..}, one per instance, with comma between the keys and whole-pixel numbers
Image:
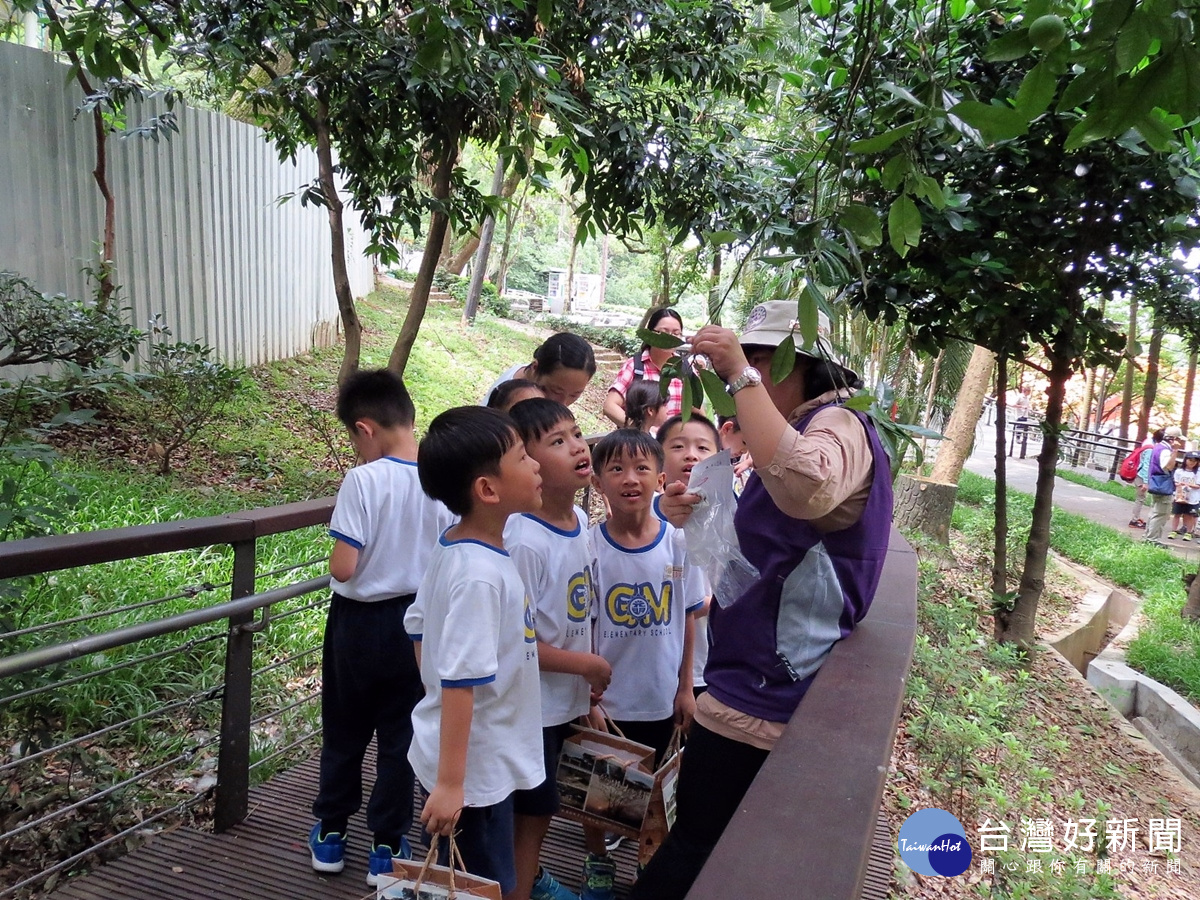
[
  {"x": 658, "y": 339},
  {"x": 958, "y": 8},
  {"x": 928, "y": 188},
  {"x": 689, "y": 397},
  {"x": 904, "y": 224},
  {"x": 1009, "y": 46},
  {"x": 1133, "y": 42},
  {"x": 821, "y": 8},
  {"x": 545, "y": 11},
  {"x": 717, "y": 238},
  {"x": 714, "y": 388},
  {"x": 1155, "y": 132},
  {"x": 995, "y": 123},
  {"x": 1107, "y": 17},
  {"x": 1036, "y": 91},
  {"x": 809, "y": 309},
  {"x": 882, "y": 141},
  {"x": 862, "y": 222},
  {"x": 860, "y": 402},
  {"x": 894, "y": 171},
  {"x": 783, "y": 360}
]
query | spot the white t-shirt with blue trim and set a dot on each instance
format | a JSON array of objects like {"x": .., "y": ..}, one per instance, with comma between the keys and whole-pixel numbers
[
  {"x": 700, "y": 637},
  {"x": 556, "y": 566},
  {"x": 382, "y": 512},
  {"x": 475, "y": 624},
  {"x": 643, "y": 597}
]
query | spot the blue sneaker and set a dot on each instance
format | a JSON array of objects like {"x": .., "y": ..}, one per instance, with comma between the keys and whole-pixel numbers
[
  {"x": 599, "y": 874},
  {"x": 547, "y": 888},
  {"x": 328, "y": 851},
  {"x": 380, "y": 860}
]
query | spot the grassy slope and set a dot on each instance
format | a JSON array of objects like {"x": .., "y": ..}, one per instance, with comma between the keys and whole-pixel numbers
[{"x": 1167, "y": 648}]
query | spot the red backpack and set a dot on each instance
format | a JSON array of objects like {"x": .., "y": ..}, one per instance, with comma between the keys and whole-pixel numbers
[{"x": 1129, "y": 468}]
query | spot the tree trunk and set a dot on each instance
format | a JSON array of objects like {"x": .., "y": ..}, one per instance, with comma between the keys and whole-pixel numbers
[
  {"x": 1000, "y": 528},
  {"x": 438, "y": 226},
  {"x": 569, "y": 299},
  {"x": 968, "y": 406},
  {"x": 1130, "y": 342},
  {"x": 108, "y": 248},
  {"x": 603, "y": 268},
  {"x": 1089, "y": 394},
  {"x": 1018, "y": 626},
  {"x": 351, "y": 325},
  {"x": 1100, "y": 398},
  {"x": 930, "y": 393},
  {"x": 714, "y": 288},
  {"x": 458, "y": 260},
  {"x": 925, "y": 505},
  {"x": 1189, "y": 389},
  {"x": 485, "y": 249},
  {"x": 511, "y": 217},
  {"x": 1150, "y": 392}
]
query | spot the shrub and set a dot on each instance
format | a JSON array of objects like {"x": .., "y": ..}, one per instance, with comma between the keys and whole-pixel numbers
[
  {"x": 624, "y": 341},
  {"x": 181, "y": 390},
  {"x": 41, "y": 328}
]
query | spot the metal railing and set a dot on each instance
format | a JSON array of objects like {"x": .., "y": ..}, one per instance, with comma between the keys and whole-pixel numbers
[{"x": 34, "y": 680}]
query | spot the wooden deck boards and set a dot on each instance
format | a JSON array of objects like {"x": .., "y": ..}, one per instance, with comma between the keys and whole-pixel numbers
[{"x": 266, "y": 855}]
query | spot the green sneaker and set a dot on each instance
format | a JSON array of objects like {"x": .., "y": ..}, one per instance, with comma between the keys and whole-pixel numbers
[{"x": 599, "y": 875}]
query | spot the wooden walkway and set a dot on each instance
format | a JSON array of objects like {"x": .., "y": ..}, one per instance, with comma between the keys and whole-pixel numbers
[{"x": 266, "y": 855}]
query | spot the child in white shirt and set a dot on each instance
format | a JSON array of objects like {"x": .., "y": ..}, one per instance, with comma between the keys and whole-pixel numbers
[
  {"x": 684, "y": 445},
  {"x": 647, "y": 600},
  {"x": 553, "y": 551},
  {"x": 477, "y": 731},
  {"x": 384, "y": 530}
]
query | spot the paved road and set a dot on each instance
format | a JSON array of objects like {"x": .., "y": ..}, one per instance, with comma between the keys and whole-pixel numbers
[{"x": 1095, "y": 505}]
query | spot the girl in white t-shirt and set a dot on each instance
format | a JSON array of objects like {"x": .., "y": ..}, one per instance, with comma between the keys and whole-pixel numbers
[
  {"x": 1187, "y": 496},
  {"x": 553, "y": 552}
]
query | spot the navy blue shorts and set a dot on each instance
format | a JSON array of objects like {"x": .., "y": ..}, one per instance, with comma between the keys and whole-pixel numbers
[{"x": 543, "y": 800}]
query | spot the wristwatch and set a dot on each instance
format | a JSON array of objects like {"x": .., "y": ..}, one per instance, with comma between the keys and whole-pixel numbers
[{"x": 750, "y": 376}]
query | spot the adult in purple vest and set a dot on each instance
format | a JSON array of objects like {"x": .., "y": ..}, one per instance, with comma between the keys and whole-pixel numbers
[
  {"x": 815, "y": 519},
  {"x": 1160, "y": 481}
]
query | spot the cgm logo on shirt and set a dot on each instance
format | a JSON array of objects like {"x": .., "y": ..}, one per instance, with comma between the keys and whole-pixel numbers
[
  {"x": 579, "y": 596},
  {"x": 530, "y": 632},
  {"x": 637, "y": 605}
]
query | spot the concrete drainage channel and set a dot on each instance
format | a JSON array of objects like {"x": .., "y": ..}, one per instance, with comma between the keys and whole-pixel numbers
[{"x": 1094, "y": 643}]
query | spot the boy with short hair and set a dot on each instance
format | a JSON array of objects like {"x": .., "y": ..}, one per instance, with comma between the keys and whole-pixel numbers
[
  {"x": 553, "y": 551},
  {"x": 647, "y": 598},
  {"x": 684, "y": 445},
  {"x": 477, "y": 731},
  {"x": 384, "y": 530}
]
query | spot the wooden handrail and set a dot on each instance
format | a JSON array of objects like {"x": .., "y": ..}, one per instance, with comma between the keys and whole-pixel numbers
[
  {"x": 806, "y": 826},
  {"x": 33, "y": 556}
]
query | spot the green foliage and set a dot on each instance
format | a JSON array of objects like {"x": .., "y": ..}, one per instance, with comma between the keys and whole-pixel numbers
[
  {"x": 620, "y": 339},
  {"x": 45, "y": 328},
  {"x": 181, "y": 391},
  {"x": 458, "y": 287}
]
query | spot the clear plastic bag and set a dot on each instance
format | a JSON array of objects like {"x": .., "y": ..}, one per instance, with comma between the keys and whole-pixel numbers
[{"x": 712, "y": 541}]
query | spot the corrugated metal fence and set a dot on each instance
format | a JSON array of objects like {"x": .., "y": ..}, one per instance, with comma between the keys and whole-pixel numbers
[{"x": 200, "y": 236}]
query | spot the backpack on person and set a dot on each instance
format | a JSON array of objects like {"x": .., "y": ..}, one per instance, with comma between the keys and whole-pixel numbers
[{"x": 1129, "y": 467}]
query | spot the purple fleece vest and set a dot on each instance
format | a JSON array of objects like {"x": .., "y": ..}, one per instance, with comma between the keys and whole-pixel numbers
[{"x": 814, "y": 587}]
